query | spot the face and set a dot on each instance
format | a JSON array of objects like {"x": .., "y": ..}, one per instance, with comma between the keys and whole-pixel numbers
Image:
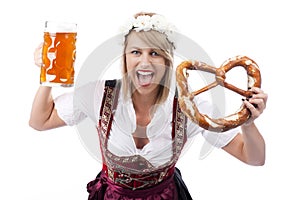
[{"x": 145, "y": 66}]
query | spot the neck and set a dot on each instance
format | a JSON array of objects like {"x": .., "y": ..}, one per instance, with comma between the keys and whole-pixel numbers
[{"x": 144, "y": 102}]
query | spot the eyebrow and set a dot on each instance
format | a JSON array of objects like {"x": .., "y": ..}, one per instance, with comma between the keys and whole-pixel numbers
[{"x": 136, "y": 47}]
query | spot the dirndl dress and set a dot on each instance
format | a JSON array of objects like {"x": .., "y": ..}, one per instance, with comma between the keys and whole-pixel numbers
[{"x": 147, "y": 182}]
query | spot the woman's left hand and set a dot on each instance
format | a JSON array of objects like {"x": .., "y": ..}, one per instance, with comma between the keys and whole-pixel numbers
[{"x": 256, "y": 104}]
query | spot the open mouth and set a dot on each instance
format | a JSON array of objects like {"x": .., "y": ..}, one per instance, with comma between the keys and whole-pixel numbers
[{"x": 145, "y": 77}]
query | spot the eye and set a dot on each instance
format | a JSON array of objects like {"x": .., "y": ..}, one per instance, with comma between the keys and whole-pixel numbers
[
  {"x": 154, "y": 53},
  {"x": 135, "y": 52}
]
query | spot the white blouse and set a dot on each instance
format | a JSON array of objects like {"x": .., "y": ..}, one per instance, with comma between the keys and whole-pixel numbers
[{"x": 86, "y": 102}]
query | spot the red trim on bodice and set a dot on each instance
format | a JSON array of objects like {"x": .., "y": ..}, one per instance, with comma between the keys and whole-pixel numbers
[{"x": 135, "y": 172}]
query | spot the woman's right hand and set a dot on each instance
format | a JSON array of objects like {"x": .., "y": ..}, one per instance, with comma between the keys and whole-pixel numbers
[{"x": 38, "y": 55}]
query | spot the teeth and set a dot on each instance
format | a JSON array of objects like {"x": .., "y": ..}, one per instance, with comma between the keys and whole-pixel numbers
[
  {"x": 144, "y": 77},
  {"x": 144, "y": 73}
]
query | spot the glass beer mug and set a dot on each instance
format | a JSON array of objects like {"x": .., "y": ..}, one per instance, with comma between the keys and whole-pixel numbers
[{"x": 58, "y": 54}]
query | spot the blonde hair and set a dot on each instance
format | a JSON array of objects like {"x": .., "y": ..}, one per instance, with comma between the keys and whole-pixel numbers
[{"x": 165, "y": 49}]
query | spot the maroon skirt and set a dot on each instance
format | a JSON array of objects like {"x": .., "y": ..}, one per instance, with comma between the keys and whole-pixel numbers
[{"x": 173, "y": 188}]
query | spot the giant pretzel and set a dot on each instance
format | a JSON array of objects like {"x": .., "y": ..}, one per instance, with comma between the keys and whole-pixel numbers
[{"x": 188, "y": 106}]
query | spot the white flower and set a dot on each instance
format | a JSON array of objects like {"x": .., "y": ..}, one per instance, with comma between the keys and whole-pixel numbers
[
  {"x": 142, "y": 23},
  {"x": 159, "y": 23},
  {"x": 127, "y": 26},
  {"x": 147, "y": 23}
]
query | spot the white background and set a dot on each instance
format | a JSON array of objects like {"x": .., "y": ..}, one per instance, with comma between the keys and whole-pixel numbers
[{"x": 55, "y": 165}]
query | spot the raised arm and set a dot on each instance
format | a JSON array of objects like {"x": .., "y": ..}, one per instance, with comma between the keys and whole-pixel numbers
[
  {"x": 249, "y": 146},
  {"x": 43, "y": 113}
]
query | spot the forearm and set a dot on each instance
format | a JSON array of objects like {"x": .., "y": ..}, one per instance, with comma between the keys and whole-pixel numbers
[
  {"x": 42, "y": 108},
  {"x": 254, "y": 145}
]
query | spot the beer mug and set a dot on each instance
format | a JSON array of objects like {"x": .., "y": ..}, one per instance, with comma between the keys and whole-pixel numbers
[{"x": 58, "y": 54}]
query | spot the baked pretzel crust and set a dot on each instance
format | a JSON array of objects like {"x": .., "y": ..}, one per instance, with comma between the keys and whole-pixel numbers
[{"x": 188, "y": 106}]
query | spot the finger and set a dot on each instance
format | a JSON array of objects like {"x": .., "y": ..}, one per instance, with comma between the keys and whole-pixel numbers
[
  {"x": 254, "y": 112},
  {"x": 38, "y": 55},
  {"x": 258, "y": 93},
  {"x": 256, "y": 90},
  {"x": 38, "y": 60},
  {"x": 262, "y": 96},
  {"x": 259, "y": 104},
  {"x": 39, "y": 63}
]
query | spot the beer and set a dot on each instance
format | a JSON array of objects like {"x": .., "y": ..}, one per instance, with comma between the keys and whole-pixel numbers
[{"x": 58, "y": 55}]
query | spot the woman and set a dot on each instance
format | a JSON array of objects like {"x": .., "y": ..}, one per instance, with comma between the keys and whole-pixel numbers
[{"x": 141, "y": 128}]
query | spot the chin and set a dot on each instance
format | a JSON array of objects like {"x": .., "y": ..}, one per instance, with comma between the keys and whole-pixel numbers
[{"x": 146, "y": 89}]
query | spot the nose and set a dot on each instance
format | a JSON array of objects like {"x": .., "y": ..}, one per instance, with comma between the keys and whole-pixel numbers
[{"x": 145, "y": 59}]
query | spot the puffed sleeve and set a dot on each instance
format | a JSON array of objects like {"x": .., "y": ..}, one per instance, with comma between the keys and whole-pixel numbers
[
  {"x": 218, "y": 140},
  {"x": 64, "y": 105},
  {"x": 84, "y": 102}
]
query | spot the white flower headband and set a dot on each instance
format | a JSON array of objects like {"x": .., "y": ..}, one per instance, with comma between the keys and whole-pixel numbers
[{"x": 146, "y": 23}]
